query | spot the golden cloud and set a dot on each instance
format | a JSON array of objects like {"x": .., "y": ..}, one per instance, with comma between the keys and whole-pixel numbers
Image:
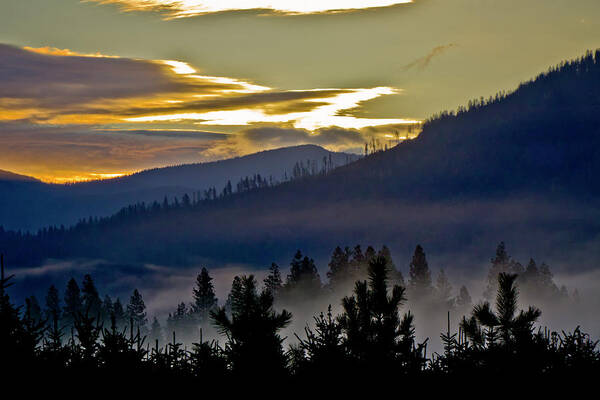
[
  {"x": 68, "y": 116},
  {"x": 190, "y": 8},
  {"x": 54, "y": 86}
]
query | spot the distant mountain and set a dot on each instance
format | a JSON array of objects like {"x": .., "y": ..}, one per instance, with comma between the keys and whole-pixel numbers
[
  {"x": 521, "y": 167},
  {"x": 26, "y": 203},
  {"x": 12, "y": 177}
]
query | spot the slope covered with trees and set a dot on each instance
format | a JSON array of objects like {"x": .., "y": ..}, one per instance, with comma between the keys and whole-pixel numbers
[
  {"x": 26, "y": 203},
  {"x": 521, "y": 166}
]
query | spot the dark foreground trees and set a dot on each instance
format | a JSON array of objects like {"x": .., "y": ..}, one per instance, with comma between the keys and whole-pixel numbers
[
  {"x": 253, "y": 346},
  {"x": 369, "y": 342}
]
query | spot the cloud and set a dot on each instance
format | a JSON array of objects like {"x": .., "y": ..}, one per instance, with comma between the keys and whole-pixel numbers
[
  {"x": 63, "y": 87},
  {"x": 423, "y": 62},
  {"x": 65, "y": 115},
  {"x": 334, "y": 139},
  {"x": 75, "y": 153},
  {"x": 308, "y": 111},
  {"x": 190, "y": 8}
]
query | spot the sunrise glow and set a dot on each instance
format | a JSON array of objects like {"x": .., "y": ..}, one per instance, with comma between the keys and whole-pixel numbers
[{"x": 190, "y": 8}]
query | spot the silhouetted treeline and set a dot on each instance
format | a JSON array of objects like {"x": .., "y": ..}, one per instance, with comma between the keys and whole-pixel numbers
[
  {"x": 373, "y": 337},
  {"x": 57, "y": 241}
]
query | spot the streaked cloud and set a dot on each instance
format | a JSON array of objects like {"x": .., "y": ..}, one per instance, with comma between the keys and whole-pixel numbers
[
  {"x": 68, "y": 116},
  {"x": 322, "y": 112},
  {"x": 190, "y": 8},
  {"x": 336, "y": 139},
  {"x": 63, "y": 87},
  {"x": 80, "y": 152},
  {"x": 423, "y": 62}
]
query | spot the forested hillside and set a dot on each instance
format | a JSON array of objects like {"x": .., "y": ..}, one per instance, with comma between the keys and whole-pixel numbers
[
  {"x": 521, "y": 166},
  {"x": 28, "y": 204}
]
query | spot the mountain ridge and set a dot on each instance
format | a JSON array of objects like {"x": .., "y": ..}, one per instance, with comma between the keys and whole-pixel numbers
[
  {"x": 32, "y": 204},
  {"x": 507, "y": 168}
]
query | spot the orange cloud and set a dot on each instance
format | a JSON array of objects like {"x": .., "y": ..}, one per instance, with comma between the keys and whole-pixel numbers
[
  {"x": 68, "y": 116},
  {"x": 53, "y": 51},
  {"x": 190, "y": 8}
]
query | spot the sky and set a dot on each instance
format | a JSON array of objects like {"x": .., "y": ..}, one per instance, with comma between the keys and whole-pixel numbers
[{"x": 94, "y": 89}]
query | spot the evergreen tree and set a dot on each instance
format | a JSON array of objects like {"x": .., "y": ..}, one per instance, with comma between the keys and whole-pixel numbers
[
  {"x": 119, "y": 313},
  {"x": 90, "y": 297},
  {"x": 339, "y": 267},
  {"x": 18, "y": 338},
  {"x": 204, "y": 296},
  {"x": 182, "y": 321},
  {"x": 464, "y": 298},
  {"x": 253, "y": 342},
  {"x": 370, "y": 255},
  {"x": 546, "y": 281},
  {"x": 357, "y": 263},
  {"x": 375, "y": 334},
  {"x": 420, "y": 277},
  {"x": 501, "y": 263},
  {"x": 443, "y": 290},
  {"x": 136, "y": 311},
  {"x": 273, "y": 282},
  {"x": 395, "y": 276},
  {"x": 234, "y": 293},
  {"x": 107, "y": 309},
  {"x": 73, "y": 303},
  {"x": 156, "y": 331},
  {"x": 33, "y": 311},
  {"x": 510, "y": 328},
  {"x": 323, "y": 350},
  {"x": 303, "y": 277},
  {"x": 53, "y": 309}
]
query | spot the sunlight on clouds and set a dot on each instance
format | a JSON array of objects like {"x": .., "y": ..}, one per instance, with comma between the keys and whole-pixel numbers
[
  {"x": 183, "y": 68},
  {"x": 179, "y": 67},
  {"x": 189, "y": 8},
  {"x": 71, "y": 117},
  {"x": 82, "y": 178},
  {"x": 53, "y": 51},
  {"x": 107, "y": 91},
  {"x": 319, "y": 117}
]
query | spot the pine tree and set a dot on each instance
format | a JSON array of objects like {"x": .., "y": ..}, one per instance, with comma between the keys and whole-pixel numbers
[
  {"x": 52, "y": 310},
  {"x": 119, "y": 313},
  {"x": 73, "y": 303},
  {"x": 181, "y": 321},
  {"x": 511, "y": 328},
  {"x": 253, "y": 342},
  {"x": 90, "y": 297},
  {"x": 18, "y": 339},
  {"x": 136, "y": 311},
  {"x": 303, "y": 278},
  {"x": 395, "y": 276},
  {"x": 33, "y": 311},
  {"x": 339, "y": 267},
  {"x": 420, "y": 277},
  {"x": 370, "y": 254},
  {"x": 549, "y": 289},
  {"x": 273, "y": 282},
  {"x": 156, "y": 333},
  {"x": 234, "y": 293},
  {"x": 464, "y": 298},
  {"x": 107, "y": 309},
  {"x": 375, "y": 334},
  {"x": 204, "y": 296},
  {"x": 358, "y": 264},
  {"x": 500, "y": 263},
  {"x": 443, "y": 290}
]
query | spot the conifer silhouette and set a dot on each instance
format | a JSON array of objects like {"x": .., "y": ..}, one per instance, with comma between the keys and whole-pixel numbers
[{"x": 253, "y": 342}]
